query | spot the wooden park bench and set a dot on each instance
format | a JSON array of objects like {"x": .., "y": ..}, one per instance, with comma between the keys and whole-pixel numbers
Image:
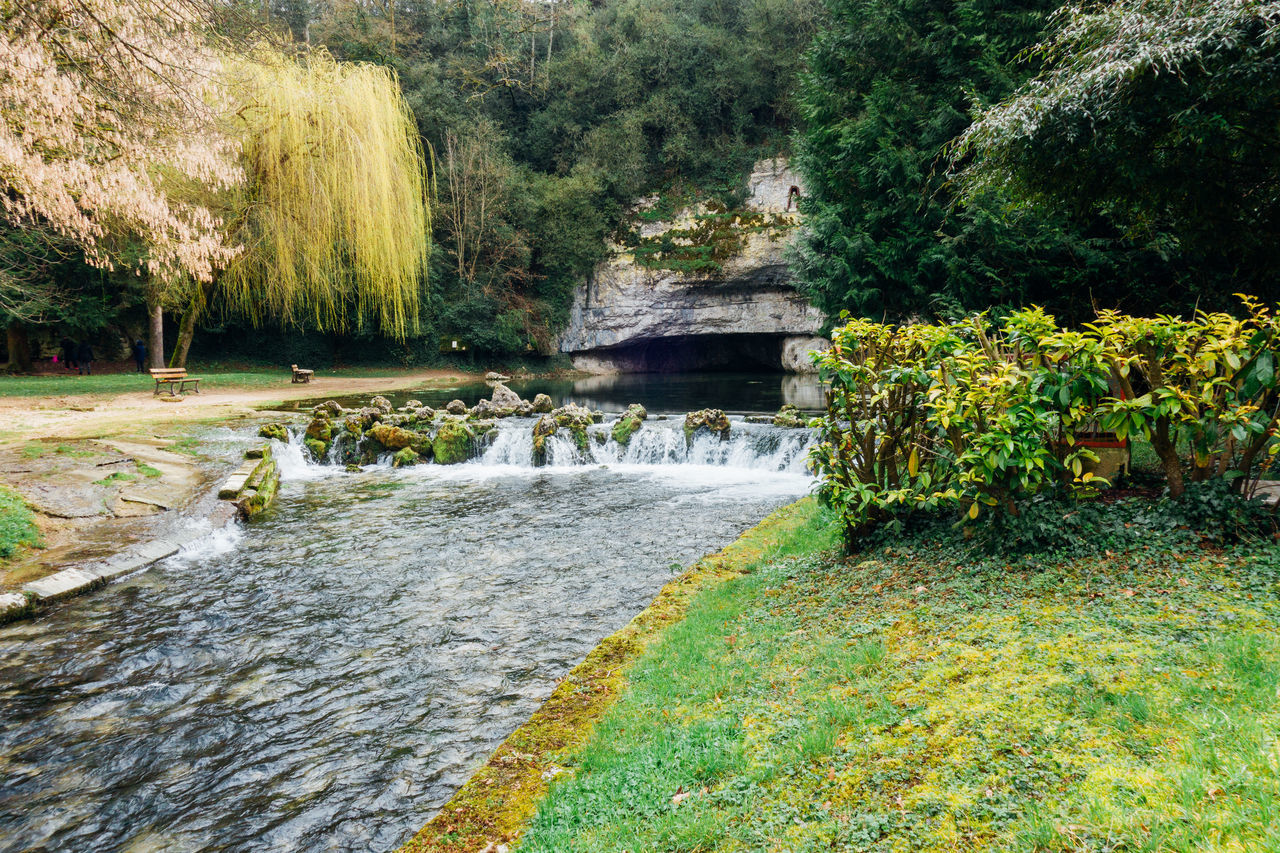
[
  {"x": 176, "y": 378},
  {"x": 300, "y": 375}
]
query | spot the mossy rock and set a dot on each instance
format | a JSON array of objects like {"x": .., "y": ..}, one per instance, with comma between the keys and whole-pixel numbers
[
  {"x": 382, "y": 404},
  {"x": 456, "y": 407},
  {"x": 629, "y": 423},
  {"x": 789, "y": 416},
  {"x": 405, "y": 457},
  {"x": 451, "y": 443},
  {"x": 320, "y": 429},
  {"x": 394, "y": 437},
  {"x": 546, "y": 426},
  {"x": 542, "y": 404},
  {"x": 318, "y": 449},
  {"x": 714, "y": 420},
  {"x": 279, "y": 432}
]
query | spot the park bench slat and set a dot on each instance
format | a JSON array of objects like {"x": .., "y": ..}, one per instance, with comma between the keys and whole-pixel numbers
[{"x": 174, "y": 376}]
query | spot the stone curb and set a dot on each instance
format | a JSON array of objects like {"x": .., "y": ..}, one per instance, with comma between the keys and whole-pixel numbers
[{"x": 85, "y": 577}]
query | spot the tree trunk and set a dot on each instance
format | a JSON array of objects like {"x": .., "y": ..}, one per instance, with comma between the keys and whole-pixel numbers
[
  {"x": 19, "y": 348},
  {"x": 186, "y": 332},
  {"x": 1167, "y": 450},
  {"x": 156, "y": 344}
]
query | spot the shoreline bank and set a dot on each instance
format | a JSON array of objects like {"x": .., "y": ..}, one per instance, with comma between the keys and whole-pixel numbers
[
  {"x": 107, "y": 473},
  {"x": 495, "y": 805}
]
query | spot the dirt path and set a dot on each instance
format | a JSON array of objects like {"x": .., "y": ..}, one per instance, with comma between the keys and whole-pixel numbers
[
  {"x": 97, "y": 415},
  {"x": 104, "y": 471}
]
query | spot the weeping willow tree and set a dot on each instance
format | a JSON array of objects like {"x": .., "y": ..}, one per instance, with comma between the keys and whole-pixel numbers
[{"x": 335, "y": 217}]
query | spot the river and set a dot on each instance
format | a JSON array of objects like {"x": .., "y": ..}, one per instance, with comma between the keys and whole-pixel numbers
[{"x": 326, "y": 676}]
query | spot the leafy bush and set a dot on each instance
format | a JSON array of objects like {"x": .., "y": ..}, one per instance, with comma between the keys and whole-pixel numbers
[
  {"x": 970, "y": 415},
  {"x": 878, "y": 457}
]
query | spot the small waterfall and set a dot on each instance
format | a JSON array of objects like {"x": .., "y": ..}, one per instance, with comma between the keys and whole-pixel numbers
[
  {"x": 760, "y": 447},
  {"x": 511, "y": 446},
  {"x": 757, "y": 447}
]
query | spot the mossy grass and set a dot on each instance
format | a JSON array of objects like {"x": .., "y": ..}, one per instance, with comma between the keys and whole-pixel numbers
[
  {"x": 498, "y": 801},
  {"x": 17, "y": 524},
  {"x": 116, "y": 477},
  {"x": 916, "y": 697}
]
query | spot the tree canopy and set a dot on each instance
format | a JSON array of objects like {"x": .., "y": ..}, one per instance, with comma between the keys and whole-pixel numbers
[
  {"x": 1161, "y": 114},
  {"x": 886, "y": 89},
  {"x": 106, "y": 111},
  {"x": 333, "y": 219}
]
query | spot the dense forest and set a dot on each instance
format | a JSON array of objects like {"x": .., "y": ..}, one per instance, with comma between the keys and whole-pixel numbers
[{"x": 540, "y": 124}]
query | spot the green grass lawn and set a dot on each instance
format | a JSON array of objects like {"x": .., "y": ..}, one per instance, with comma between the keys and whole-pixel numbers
[
  {"x": 119, "y": 383},
  {"x": 915, "y": 697},
  {"x": 220, "y": 377}
]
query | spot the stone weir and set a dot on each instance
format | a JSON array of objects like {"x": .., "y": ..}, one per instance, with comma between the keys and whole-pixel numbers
[
  {"x": 709, "y": 288},
  {"x": 535, "y": 434}
]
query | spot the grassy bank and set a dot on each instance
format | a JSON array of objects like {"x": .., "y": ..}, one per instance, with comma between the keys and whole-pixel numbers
[
  {"x": 17, "y": 524},
  {"x": 498, "y": 801},
  {"x": 915, "y": 697}
]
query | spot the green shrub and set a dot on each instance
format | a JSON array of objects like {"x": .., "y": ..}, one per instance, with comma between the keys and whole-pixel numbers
[{"x": 991, "y": 419}]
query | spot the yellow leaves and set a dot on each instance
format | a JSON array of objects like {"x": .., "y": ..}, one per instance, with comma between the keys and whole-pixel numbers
[
  {"x": 340, "y": 219},
  {"x": 913, "y": 462},
  {"x": 973, "y": 510}
]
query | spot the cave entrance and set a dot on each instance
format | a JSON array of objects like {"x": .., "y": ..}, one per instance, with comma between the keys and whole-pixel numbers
[{"x": 729, "y": 353}]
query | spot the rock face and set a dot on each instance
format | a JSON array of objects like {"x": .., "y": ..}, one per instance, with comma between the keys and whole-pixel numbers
[
  {"x": 628, "y": 314},
  {"x": 797, "y": 352}
]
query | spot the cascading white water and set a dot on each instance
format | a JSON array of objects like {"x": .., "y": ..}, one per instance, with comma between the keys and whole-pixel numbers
[
  {"x": 759, "y": 447},
  {"x": 756, "y": 447}
]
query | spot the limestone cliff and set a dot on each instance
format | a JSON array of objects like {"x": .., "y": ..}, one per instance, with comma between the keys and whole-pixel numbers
[{"x": 708, "y": 288}]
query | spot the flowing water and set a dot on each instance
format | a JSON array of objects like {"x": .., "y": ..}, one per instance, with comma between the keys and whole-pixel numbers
[{"x": 325, "y": 677}]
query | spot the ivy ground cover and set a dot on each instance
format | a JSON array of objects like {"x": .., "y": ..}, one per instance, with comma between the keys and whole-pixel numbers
[{"x": 919, "y": 696}]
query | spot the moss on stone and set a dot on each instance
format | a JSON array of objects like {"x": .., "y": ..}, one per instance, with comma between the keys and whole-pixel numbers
[
  {"x": 394, "y": 437},
  {"x": 320, "y": 429},
  {"x": 544, "y": 428},
  {"x": 261, "y": 497},
  {"x": 318, "y": 449},
  {"x": 405, "y": 457},
  {"x": 714, "y": 420},
  {"x": 277, "y": 431},
  {"x": 789, "y": 416},
  {"x": 629, "y": 423},
  {"x": 451, "y": 443}
]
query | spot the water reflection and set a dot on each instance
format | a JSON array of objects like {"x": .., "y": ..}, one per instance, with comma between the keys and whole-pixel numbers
[{"x": 742, "y": 393}]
